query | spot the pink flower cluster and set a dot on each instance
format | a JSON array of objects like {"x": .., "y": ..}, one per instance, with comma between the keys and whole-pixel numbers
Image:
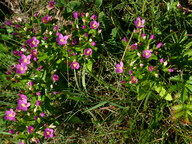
[{"x": 22, "y": 103}]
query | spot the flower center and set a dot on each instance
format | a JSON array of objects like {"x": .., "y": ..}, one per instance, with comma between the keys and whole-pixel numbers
[
  {"x": 51, "y": 4},
  {"x": 94, "y": 25},
  {"x": 23, "y": 105},
  {"x": 21, "y": 68},
  {"x": 48, "y": 133},
  {"x": 139, "y": 23},
  {"x": 44, "y": 20},
  {"x": 25, "y": 60},
  {"x": 61, "y": 40},
  {"x": 74, "y": 65},
  {"x": 146, "y": 53},
  {"x": 88, "y": 52},
  {"x": 11, "y": 115},
  {"x": 121, "y": 68},
  {"x": 33, "y": 42},
  {"x": 31, "y": 130}
]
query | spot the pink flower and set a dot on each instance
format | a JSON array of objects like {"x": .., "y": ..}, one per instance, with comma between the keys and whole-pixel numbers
[
  {"x": 171, "y": 70},
  {"x": 11, "y": 131},
  {"x": 42, "y": 114},
  {"x": 139, "y": 23},
  {"x": 82, "y": 14},
  {"x": 25, "y": 59},
  {"x": 38, "y": 103},
  {"x": 152, "y": 37},
  {"x": 134, "y": 46},
  {"x": 33, "y": 42},
  {"x": 119, "y": 67},
  {"x": 123, "y": 81},
  {"x": 46, "y": 19},
  {"x": 161, "y": 60},
  {"x": 17, "y": 26},
  {"x": 36, "y": 14},
  {"x": 74, "y": 65},
  {"x": 35, "y": 117},
  {"x": 186, "y": 10},
  {"x": 84, "y": 27},
  {"x": 58, "y": 33},
  {"x": 150, "y": 68},
  {"x": 21, "y": 142},
  {"x": 124, "y": 39},
  {"x": 23, "y": 106},
  {"x": 39, "y": 68},
  {"x": 14, "y": 33},
  {"x": 94, "y": 24},
  {"x": 100, "y": 30},
  {"x": 38, "y": 93},
  {"x": 94, "y": 17},
  {"x": 86, "y": 34},
  {"x": 21, "y": 68},
  {"x": 30, "y": 83},
  {"x": 22, "y": 99},
  {"x": 93, "y": 43},
  {"x": 146, "y": 54},
  {"x": 30, "y": 129},
  {"x": 45, "y": 38},
  {"x": 75, "y": 15},
  {"x": 55, "y": 93},
  {"x": 51, "y": 5},
  {"x": 134, "y": 80},
  {"x": 159, "y": 45},
  {"x": 55, "y": 78},
  {"x": 37, "y": 141},
  {"x": 9, "y": 72},
  {"x": 48, "y": 132},
  {"x": 55, "y": 28},
  {"x": 130, "y": 72},
  {"x": 10, "y": 115},
  {"x": 34, "y": 53},
  {"x": 74, "y": 42},
  {"x": 62, "y": 39},
  {"x": 8, "y": 23},
  {"x": 179, "y": 6},
  {"x": 88, "y": 51},
  {"x": 17, "y": 53}
]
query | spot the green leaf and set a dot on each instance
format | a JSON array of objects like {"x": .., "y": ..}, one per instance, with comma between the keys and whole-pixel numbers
[
  {"x": 163, "y": 93},
  {"x": 74, "y": 120},
  {"x": 178, "y": 115},
  {"x": 114, "y": 32},
  {"x": 177, "y": 108},
  {"x": 101, "y": 16},
  {"x": 189, "y": 87},
  {"x": 73, "y": 6},
  {"x": 89, "y": 65},
  {"x": 189, "y": 113},
  {"x": 141, "y": 96},
  {"x": 188, "y": 45},
  {"x": 119, "y": 106},
  {"x": 96, "y": 106},
  {"x": 42, "y": 56},
  {"x": 184, "y": 94},
  {"x": 175, "y": 87},
  {"x": 176, "y": 78},
  {"x": 98, "y": 3}
]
